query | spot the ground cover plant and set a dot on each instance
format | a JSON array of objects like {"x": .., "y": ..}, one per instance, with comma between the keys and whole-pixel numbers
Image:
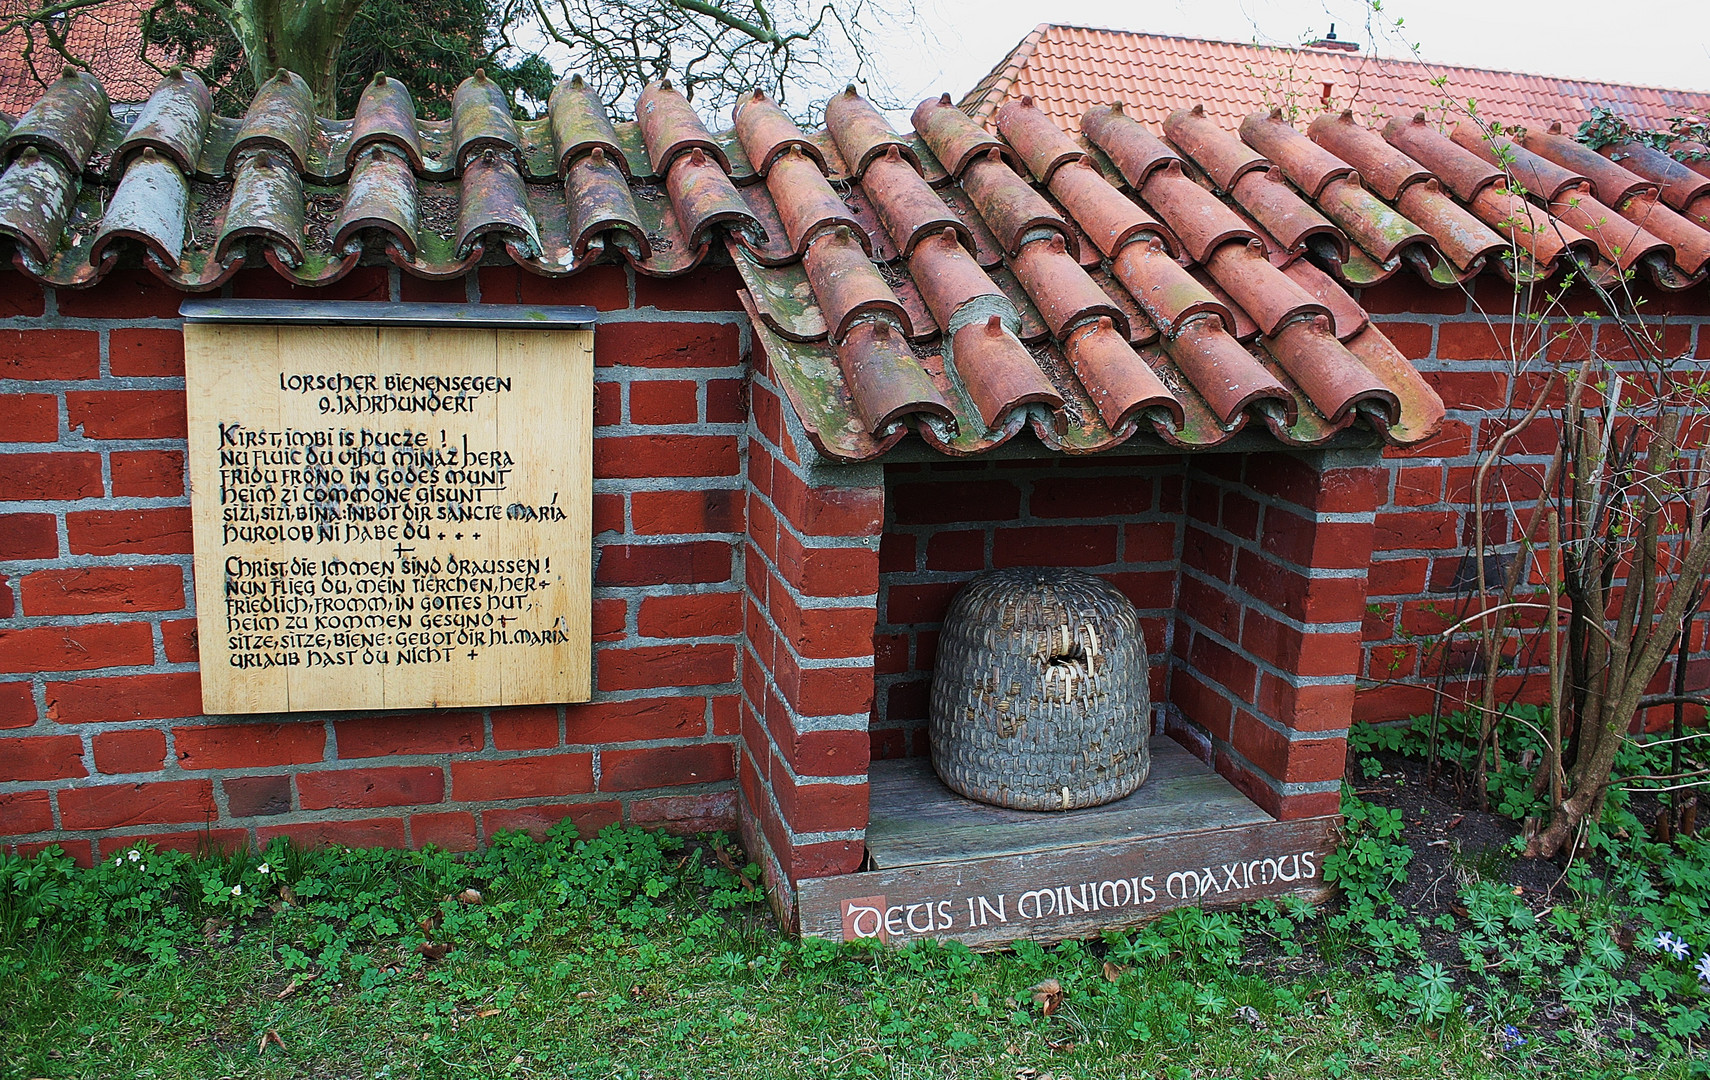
[{"x": 635, "y": 954}]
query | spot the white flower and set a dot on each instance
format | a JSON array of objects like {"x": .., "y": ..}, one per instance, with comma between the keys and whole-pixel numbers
[
  {"x": 1668, "y": 943},
  {"x": 263, "y": 869},
  {"x": 118, "y": 860},
  {"x": 237, "y": 890},
  {"x": 1703, "y": 968},
  {"x": 134, "y": 855}
]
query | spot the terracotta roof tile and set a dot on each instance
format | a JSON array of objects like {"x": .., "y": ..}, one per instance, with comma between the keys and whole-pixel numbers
[
  {"x": 1155, "y": 74},
  {"x": 897, "y": 301}
]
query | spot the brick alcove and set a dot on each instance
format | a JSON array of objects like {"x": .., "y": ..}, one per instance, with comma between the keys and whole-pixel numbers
[{"x": 1249, "y": 569}]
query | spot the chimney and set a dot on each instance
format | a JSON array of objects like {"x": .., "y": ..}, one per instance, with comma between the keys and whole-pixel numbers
[{"x": 1328, "y": 41}]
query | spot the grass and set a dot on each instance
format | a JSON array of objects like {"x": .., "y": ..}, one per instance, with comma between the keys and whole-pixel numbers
[{"x": 634, "y": 955}]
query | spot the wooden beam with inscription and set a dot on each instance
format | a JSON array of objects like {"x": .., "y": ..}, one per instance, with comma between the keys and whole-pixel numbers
[
  {"x": 390, "y": 516},
  {"x": 953, "y": 870}
]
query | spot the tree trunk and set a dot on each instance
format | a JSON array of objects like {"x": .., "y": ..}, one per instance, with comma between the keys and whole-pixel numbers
[{"x": 302, "y": 36}]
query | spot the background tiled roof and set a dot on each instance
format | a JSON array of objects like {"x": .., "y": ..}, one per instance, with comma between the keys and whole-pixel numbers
[
  {"x": 108, "y": 36},
  {"x": 1069, "y": 69}
]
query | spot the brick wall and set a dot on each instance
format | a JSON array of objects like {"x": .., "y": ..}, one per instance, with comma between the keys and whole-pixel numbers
[
  {"x": 812, "y": 571},
  {"x": 101, "y": 733},
  {"x": 946, "y": 521},
  {"x": 1420, "y": 572},
  {"x": 1248, "y": 571}
]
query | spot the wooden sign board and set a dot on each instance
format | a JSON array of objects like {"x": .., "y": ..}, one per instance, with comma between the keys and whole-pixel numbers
[
  {"x": 390, "y": 517},
  {"x": 1071, "y": 892}
]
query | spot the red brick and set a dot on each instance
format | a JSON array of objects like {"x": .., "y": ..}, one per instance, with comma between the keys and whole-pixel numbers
[
  {"x": 825, "y": 753},
  {"x": 608, "y": 512},
  {"x": 17, "y": 705},
  {"x": 148, "y": 474},
  {"x": 665, "y": 665},
  {"x": 1307, "y": 708},
  {"x": 146, "y": 353},
  {"x": 820, "y": 807},
  {"x": 29, "y": 418},
  {"x": 693, "y": 615},
  {"x": 414, "y": 733},
  {"x": 588, "y": 817},
  {"x": 1405, "y": 294},
  {"x": 824, "y": 633},
  {"x": 97, "y": 590},
  {"x": 23, "y": 812},
  {"x": 263, "y": 283},
  {"x": 1472, "y": 341},
  {"x": 166, "y": 695},
  {"x": 45, "y": 757},
  {"x": 50, "y": 354},
  {"x": 249, "y": 746},
  {"x": 608, "y": 404},
  {"x": 666, "y": 345},
  {"x": 1091, "y": 496},
  {"x": 1453, "y": 441},
  {"x": 532, "y": 727},
  {"x": 129, "y": 532},
  {"x": 142, "y": 750},
  {"x": 925, "y": 603},
  {"x": 725, "y": 402},
  {"x": 822, "y": 860},
  {"x": 198, "y": 842},
  {"x": 355, "y": 789},
  {"x": 1397, "y": 577},
  {"x": 449, "y": 831},
  {"x": 1229, "y": 669},
  {"x": 649, "y": 456},
  {"x": 951, "y": 550},
  {"x": 1483, "y": 390},
  {"x": 828, "y": 511},
  {"x": 689, "y": 563},
  {"x": 709, "y": 288},
  {"x": 1323, "y": 545},
  {"x": 689, "y": 815},
  {"x": 1283, "y": 646},
  {"x": 522, "y": 778},
  {"x": 125, "y": 294},
  {"x": 826, "y": 571},
  {"x": 20, "y": 296},
  {"x": 1317, "y": 599},
  {"x": 257, "y": 796},
  {"x": 1055, "y": 545},
  {"x": 1291, "y": 762},
  {"x": 664, "y": 401},
  {"x": 1210, "y": 607},
  {"x": 635, "y": 721},
  {"x": 28, "y": 536},
  {"x": 955, "y": 504},
  {"x": 58, "y": 476},
  {"x": 76, "y": 648},
  {"x": 1419, "y": 486},
  {"x": 1413, "y": 339},
  {"x": 1432, "y": 529},
  {"x": 116, "y": 806},
  {"x": 666, "y": 766},
  {"x": 1307, "y": 805},
  {"x": 602, "y": 287},
  {"x": 716, "y": 510},
  {"x": 127, "y": 414},
  {"x": 367, "y": 833}
]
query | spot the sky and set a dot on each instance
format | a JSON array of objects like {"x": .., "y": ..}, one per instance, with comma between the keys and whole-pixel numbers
[{"x": 1647, "y": 42}]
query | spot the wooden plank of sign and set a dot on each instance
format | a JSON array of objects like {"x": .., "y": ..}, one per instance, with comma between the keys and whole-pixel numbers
[
  {"x": 439, "y": 551},
  {"x": 916, "y": 819},
  {"x": 1071, "y": 892}
]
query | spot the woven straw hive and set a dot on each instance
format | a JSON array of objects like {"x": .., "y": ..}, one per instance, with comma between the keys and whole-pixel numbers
[{"x": 1039, "y": 699}]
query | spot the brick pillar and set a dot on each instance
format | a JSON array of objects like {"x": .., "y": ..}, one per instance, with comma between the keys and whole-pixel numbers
[
  {"x": 812, "y": 570},
  {"x": 1267, "y": 644}
]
